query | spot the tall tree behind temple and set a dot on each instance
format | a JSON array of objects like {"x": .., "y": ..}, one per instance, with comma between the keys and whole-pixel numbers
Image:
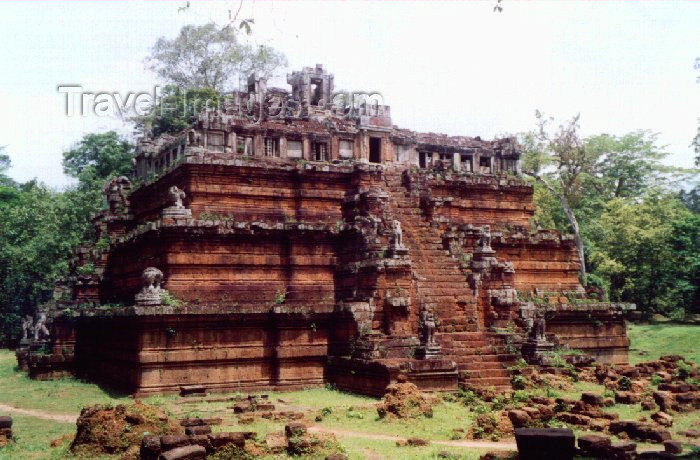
[
  {"x": 210, "y": 56},
  {"x": 41, "y": 227},
  {"x": 560, "y": 162}
]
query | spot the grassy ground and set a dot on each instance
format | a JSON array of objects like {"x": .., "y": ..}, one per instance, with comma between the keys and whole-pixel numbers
[
  {"x": 350, "y": 413},
  {"x": 649, "y": 341}
]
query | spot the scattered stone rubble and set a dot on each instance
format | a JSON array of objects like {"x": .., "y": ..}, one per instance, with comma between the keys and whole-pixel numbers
[
  {"x": 5, "y": 430},
  {"x": 110, "y": 430},
  {"x": 404, "y": 400}
]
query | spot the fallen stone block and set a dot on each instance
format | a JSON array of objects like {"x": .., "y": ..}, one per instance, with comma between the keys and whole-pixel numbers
[
  {"x": 196, "y": 430},
  {"x": 150, "y": 447},
  {"x": 172, "y": 441},
  {"x": 648, "y": 405},
  {"x": 519, "y": 418},
  {"x": 5, "y": 421},
  {"x": 641, "y": 431},
  {"x": 662, "y": 418},
  {"x": 548, "y": 443},
  {"x": 574, "y": 419},
  {"x": 593, "y": 443},
  {"x": 265, "y": 406},
  {"x": 673, "y": 447},
  {"x": 294, "y": 429},
  {"x": 691, "y": 433},
  {"x": 200, "y": 421},
  {"x": 225, "y": 438},
  {"x": 627, "y": 397},
  {"x": 677, "y": 387},
  {"x": 592, "y": 399},
  {"x": 193, "y": 452},
  {"x": 242, "y": 407},
  {"x": 202, "y": 440},
  {"x": 193, "y": 390},
  {"x": 664, "y": 400}
]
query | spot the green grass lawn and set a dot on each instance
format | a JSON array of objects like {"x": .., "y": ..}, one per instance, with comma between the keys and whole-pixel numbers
[
  {"x": 353, "y": 413},
  {"x": 65, "y": 396},
  {"x": 654, "y": 340}
]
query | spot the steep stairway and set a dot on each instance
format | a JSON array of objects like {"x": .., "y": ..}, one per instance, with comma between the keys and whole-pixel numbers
[{"x": 482, "y": 357}]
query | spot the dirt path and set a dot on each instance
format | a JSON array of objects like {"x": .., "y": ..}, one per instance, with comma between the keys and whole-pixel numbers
[
  {"x": 63, "y": 418},
  {"x": 386, "y": 437}
]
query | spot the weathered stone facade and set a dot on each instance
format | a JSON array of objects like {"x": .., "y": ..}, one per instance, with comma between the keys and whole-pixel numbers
[{"x": 325, "y": 245}]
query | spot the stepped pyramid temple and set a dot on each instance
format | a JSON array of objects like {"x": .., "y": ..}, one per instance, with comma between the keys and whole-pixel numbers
[{"x": 288, "y": 240}]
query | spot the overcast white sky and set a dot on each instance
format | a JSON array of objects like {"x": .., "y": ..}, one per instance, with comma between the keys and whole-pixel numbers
[{"x": 453, "y": 67}]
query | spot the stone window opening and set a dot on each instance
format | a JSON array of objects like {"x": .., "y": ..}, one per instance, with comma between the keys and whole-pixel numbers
[
  {"x": 320, "y": 151},
  {"x": 375, "y": 150},
  {"x": 446, "y": 158},
  {"x": 466, "y": 163},
  {"x": 244, "y": 145},
  {"x": 485, "y": 165},
  {"x": 272, "y": 147},
  {"x": 425, "y": 159}
]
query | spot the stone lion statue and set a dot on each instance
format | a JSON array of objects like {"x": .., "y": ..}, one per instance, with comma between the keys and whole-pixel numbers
[
  {"x": 152, "y": 278},
  {"x": 176, "y": 196}
]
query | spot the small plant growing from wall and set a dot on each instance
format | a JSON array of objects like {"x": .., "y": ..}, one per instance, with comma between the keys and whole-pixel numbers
[{"x": 280, "y": 297}]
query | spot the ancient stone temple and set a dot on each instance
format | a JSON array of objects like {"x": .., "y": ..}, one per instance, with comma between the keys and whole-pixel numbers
[{"x": 287, "y": 240}]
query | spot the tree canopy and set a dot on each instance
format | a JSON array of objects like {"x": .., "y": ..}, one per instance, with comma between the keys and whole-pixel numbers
[{"x": 210, "y": 56}]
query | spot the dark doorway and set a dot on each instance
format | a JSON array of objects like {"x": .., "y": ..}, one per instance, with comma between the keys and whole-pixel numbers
[{"x": 375, "y": 150}]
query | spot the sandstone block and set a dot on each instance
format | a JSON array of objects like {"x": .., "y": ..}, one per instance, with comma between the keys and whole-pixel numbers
[
  {"x": 519, "y": 418},
  {"x": 185, "y": 453},
  {"x": 294, "y": 429},
  {"x": 5, "y": 421},
  {"x": 662, "y": 418},
  {"x": 648, "y": 405},
  {"x": 593, "y": 444},
  {"x": 225, "y": 438},
  {"x": 627, "y": 397},
  {"x": 196, "y": 430},
  {"x": 200, "y": 421},
  {"x": 592, "y": 399},
  {"x": 539, "y": 443},
  {"x": 171, "y": 441},
  {"x": 673, "y": 447},
  {"x": 664, "y": 400},
  {"x": 243, "y": 406},
  {"x": 642, "y": 431},
  {"x": 150, "y": 447}
]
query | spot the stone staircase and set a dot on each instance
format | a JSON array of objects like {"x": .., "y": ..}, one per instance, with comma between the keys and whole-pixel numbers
[{"x": 482, "y": 357}]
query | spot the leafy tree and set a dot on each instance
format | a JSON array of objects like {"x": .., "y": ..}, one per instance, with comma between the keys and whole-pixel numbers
[
  {"x": 649, "y": 252},
  {"x": 629, "y": 165},
  {"x": 98, "y": 157},
  {"x": 35, "y": 243},
  {"x": 209, "y": 56},
  {"x": 41, "y": 227},
  {"x": 177, "y": 109},
  {"x": 559, "y": 161}
]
